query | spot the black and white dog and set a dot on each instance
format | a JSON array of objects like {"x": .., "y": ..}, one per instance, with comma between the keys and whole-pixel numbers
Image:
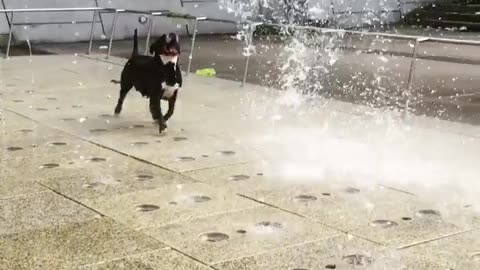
[{"x": 156, "y": 78}]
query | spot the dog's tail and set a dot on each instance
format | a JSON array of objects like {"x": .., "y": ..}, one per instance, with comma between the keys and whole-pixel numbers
[
  {"x": 135, "y": 44},
  {"x": 116, "y": 81}
]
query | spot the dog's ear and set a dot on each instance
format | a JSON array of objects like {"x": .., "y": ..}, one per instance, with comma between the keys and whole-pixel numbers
[{"x": 157, "y": 45}]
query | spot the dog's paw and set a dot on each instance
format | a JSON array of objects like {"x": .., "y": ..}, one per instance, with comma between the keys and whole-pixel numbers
[{"x": 162, "y": 127}]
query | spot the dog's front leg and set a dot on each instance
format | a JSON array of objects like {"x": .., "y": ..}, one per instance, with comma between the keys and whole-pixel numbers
[
  {"x": 171, "y": 106},
  {"x": 156, "y": 110}
]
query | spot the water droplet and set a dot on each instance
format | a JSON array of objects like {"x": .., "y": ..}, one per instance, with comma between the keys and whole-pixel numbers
[
  {"x": 305, "y": 198},
  {"x": 200, "y": 198},
  {"x": 14, "y": 148},
  {"x": 147, "y": 207},
  {"x": 239, "y": 177},
  {"x": 382, "y": 223},
  {"x": 49, "y": 166},
  {"x": 358, "y": 259},
  {"x": 214, "y": 237}
]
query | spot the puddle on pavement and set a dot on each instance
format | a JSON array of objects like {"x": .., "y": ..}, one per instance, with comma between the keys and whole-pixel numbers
[
  {"x": 214, "y": 237},
  {"x": 382, "y": 223},
  {"x": 147, "y": 207},
  {"x": 304, "y": 198},
  {"x": 239, "y": 177},
  {"x": 358, "y": 259}
]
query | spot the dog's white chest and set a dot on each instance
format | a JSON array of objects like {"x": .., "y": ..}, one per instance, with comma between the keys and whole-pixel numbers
[{"x": 168, "y": 91}]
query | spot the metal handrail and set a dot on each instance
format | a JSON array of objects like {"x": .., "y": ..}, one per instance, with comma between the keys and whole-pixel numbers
[{"x": 418, "y": 40}]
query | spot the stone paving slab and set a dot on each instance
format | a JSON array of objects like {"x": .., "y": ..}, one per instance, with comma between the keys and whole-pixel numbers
[
  {"x": 159, "y": 260},
  {"x": 456, "y": 252},
  {"x": 231, "y": 235},
  {"x": 40, "y": 211},
  {"x": 342, "y": 252},
  {"x": 170, "y": 203},
  {"x": 69, "y": 246}
]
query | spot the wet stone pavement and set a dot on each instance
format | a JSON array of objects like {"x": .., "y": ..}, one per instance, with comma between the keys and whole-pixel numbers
[{"x": 239, "y": 180}]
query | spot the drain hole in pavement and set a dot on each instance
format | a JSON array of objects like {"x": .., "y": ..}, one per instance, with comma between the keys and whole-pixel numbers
[
  {"x": 14, "y": 148},
  {"x": 97, "y": 159},
  {"x": 406, "y": 218},
  {"x": 200, "y": 198},
  {"x": 269, "y": 224},
  {"x": 358, "y": 259},
  {"x": 25, "y": 130},
  {"x": 226, "y": 153},
  {"x": 147, "y": 207},
  {"x": 305, "y": 198},
  {"x": 241, "y": 231},
  {"x": 427, "y": 212},
  {"x": 49, "y": 166},
  {"x": 330, "y": 266},
  {"x": 92, "y": 185},
  {"x": 239, "y": 177},
  {"x": 214, "y": 237},
  {"x": 352, "y": 190},
  {"x": 326, "y": 194},
  {"x": 51, "y": 98},
  {"x": 17, "y": 100},
  {"x": 42, "y": 109},
  {"x": 98, "y": 130},
  {"x": 139, "y": 143},
  {"x": 185, "y": 159},
  {"x": 382, "y": 223},
  {"x": 143, "y": 177},
  {"x": 58, "y": 144},
  {"x": 137, "y": 126},
  {"x": 179, "y": 139},
  {"x": 68, "y": 119}
]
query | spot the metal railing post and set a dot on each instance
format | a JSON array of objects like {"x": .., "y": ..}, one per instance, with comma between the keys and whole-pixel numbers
[
  {"x": 114, "y": 25},
  {"x": 190, "y": 57},
  {"x": 10, "y": 33},
  {"x": 92, "y": 31},
  {"x": 411, "y": 75},
  {"x": 149, "y": 34},
  {"x": 249, "y": 41}
]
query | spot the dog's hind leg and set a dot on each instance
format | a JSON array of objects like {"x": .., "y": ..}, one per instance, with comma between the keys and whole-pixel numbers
[
  {"x": 156, "y": 110},
  {"x": 171, "y": 106},
  {"x": 123, "y": 93}
]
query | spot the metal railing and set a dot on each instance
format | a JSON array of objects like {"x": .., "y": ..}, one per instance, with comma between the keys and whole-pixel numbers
[
  {"x": 98, "y": 10},
  {"x": 417, "y": 42}
]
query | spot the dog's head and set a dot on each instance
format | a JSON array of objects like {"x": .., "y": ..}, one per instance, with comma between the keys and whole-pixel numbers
[{"x": 167, "y": 49}]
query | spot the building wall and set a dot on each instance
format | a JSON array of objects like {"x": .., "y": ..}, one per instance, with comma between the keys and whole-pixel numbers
[{"x": 76, "y": 25}]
